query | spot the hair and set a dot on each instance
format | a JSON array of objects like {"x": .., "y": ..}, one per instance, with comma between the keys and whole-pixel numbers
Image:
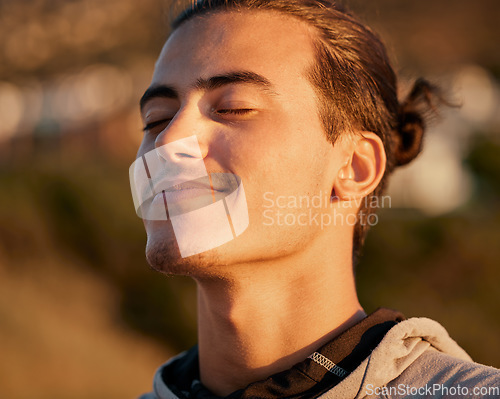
[{"x": 355, "y": 81}]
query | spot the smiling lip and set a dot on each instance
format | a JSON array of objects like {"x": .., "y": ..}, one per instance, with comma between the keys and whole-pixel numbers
[
  {"x": 215, "y": 184},
  {"x": 186, "y": 197}
]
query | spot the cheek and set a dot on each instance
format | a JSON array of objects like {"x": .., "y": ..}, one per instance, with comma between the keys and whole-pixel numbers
[{"x": 278, "y": 154}]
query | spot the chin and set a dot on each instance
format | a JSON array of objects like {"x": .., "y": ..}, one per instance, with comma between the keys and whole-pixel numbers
[{"x": 163, "y": 255}]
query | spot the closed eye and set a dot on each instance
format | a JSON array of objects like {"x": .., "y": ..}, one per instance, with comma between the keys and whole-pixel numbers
[
  {"x": 234, "y": 114},
  {"x": 152, "y": 125},
  {"x": 237, "y": 111}
]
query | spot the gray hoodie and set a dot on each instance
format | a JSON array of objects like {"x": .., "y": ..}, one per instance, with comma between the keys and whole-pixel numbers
[{"x": 415, "y": 359}]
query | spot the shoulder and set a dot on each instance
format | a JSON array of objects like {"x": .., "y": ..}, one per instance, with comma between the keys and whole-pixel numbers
[
  {"x": 440, "y": 375},
  {"x": 417, "y": 358},
  {"x": 443, "y": 362},
  {"x": 441, "y": 367}
]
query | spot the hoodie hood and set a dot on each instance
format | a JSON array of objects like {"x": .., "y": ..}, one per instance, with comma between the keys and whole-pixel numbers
[{"x": 401, "y": 345}]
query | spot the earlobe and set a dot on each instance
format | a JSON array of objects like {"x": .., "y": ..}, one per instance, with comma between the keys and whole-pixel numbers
[{"x": 364, "y": 168}]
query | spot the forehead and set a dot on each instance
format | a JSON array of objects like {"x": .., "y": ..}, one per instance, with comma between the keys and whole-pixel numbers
[{"x": 269, "y": 43}]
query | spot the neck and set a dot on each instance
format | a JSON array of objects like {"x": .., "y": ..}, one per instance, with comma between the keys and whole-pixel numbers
[{"x": 271, "y": 316}]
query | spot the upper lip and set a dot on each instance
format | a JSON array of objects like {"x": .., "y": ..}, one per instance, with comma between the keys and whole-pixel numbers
[{"x": 219, "y": 183}]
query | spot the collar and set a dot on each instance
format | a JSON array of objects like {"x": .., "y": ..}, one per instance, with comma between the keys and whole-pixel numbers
[{"x": 316, "y": 374}]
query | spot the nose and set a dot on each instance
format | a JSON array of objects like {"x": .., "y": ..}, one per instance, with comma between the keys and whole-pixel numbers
[
  {"x": 185, "y": 138},
  {"x": 182, "y": 150},
  {"x": 176, "y": 161}
]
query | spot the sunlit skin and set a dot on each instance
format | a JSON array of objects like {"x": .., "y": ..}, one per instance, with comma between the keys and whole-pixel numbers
[{"x": 270, "y": 297}]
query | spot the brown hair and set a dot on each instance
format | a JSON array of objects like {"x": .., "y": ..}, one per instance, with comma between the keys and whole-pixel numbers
[{"x": 355, "y": 82}]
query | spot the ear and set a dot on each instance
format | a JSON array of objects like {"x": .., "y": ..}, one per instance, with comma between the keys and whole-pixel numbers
[{"x": 363, "y": 169}]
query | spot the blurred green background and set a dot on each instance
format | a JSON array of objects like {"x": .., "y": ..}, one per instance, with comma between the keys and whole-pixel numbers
[{"x": 81, "y": 313}]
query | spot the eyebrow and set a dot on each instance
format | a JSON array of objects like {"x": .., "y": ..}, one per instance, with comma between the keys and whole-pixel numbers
[{"x": 212, "y": 83}]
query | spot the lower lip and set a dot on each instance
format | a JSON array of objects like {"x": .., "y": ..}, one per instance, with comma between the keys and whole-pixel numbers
[{"x": 184, "y": 194}]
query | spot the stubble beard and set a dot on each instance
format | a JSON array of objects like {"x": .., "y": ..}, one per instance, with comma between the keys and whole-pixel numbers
[{"x": 163, "y": 255}]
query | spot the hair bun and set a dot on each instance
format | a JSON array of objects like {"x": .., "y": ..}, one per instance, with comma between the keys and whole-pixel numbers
[
  {"x": 409, "y": 138},
  {"x": 420, "y": 104}
]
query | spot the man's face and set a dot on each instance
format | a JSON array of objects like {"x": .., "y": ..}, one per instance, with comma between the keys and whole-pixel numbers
[{"x": 238, "y": 82}]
